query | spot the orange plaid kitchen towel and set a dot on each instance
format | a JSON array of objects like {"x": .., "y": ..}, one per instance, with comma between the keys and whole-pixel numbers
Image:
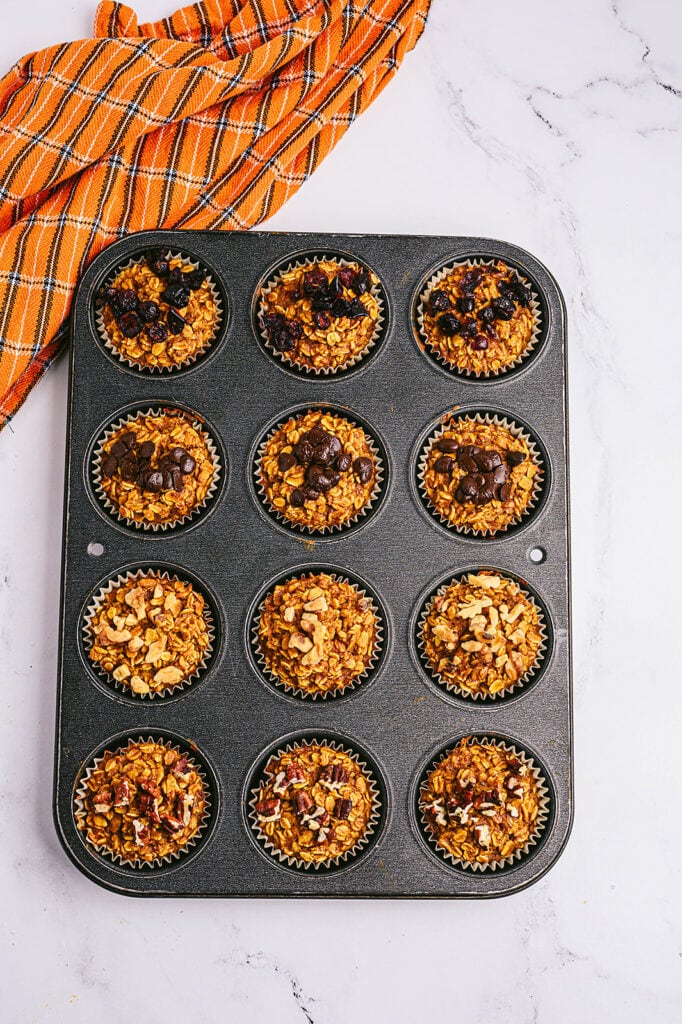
[{"x": 207, "y": 119}]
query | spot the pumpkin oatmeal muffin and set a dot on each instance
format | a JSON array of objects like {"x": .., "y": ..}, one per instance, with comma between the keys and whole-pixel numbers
[
  {"x": 142, "y": 803},
  {"x": 481, "y": 635},
  {"x": 317, "y": 634},
  {"x": 480, "y": 475},
  {"x": 149, "y": 632},
  {"x": 321, "y": 316},
  {"x": 482, "y": 803},
  {"x": 314, "y": 805},
  {"x": 156, "y": 469},
  {"x": 159, "y": 313},
  {"x": 318, "y": 471},
  {"x": 479, "y": 319}
]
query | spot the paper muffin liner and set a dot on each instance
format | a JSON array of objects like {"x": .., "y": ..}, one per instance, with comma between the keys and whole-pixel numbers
[
  {"x": 96, "y": 467},
  {"x": 453, "y": 687},
  {"x": 80, "y": 809},
  {"x": 133, "y": 364},
  {"x": 89, "y": 636},
  {"x": 319, "y": 371},
  {"x": 297, "y": 691},
  {"x": 436, "y": 279},
  {"x": 334, "y": 862},
  {"x": 516, "y": 431},
  {"x": 301, "y": 527},
  {"x": 544, "y": 805}
]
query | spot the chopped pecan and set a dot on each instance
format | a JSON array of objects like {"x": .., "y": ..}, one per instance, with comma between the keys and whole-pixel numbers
[
  {"x": 122, "y": 794},
  {"x": 171, "y": 824},
  {"x": 268, "y": 810},
  {"x": 342, "y": 809},
  {"x": 333, "y": 776},
  {"x": 102, "y": 801},
  {"x": 303, "y": 801}
]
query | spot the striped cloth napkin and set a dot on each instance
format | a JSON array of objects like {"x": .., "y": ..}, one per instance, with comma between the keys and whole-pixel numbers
[{"x": 207, "y": 119}]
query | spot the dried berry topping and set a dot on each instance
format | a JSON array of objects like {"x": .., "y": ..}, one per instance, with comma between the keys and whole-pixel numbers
[
  {"x": 157, "y": 333},
  {"x": 322, "y": 321},
  {"x": 315, "y": 283},
  {"x": 480, "y": 343},
  {"x": 194, "y": 278},
  {"x": 503, "y": 307},
  {"x": 149, "y": 311},
  {"x": 466, "y": 304},
  {"x": 439, "y": 302},
  {"x": 130, "y": 325},
  {"x": 486, "y": 315},
  {"x": 449, "y": 324},
  {"x": 362, "y": 282},
  {"x": 471, "y": 278},
  {"x": 176, "y": 295},
  {"x": 126, "y": 301},
  {"x": 469, "y": 329}
]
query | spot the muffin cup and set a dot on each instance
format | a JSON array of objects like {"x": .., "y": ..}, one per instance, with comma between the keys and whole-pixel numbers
[
  {"x": 435, "y": 280},
  {"x": 298, "y": 692},
  {"x": 516, "y": 431},
  {"x": 96, "y": 468},
  {"x": 337, "y": 527},
  {"x": 103, "y": 851},
  {"x": 141, "y": 368},
  {"x": 284, "y": 357},
  {"x": 335, "y": 862},
  {"x": 452, "y": 687},
  {"x": 89, "y": 637},
  {"x": 544, "y": 806}
]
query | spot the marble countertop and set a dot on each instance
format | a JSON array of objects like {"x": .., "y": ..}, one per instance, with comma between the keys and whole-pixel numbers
[{"x": 555, "y": 126}]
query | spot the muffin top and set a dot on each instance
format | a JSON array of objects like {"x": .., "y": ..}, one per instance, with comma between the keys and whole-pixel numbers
[
  {"x": 149, "y": 633},
  {"x": 317, "y": 634},
  {"x": 142, "y": 803},
  {"x": 480, "y": 802},
  {"x": 160, "y": 312},
  {"x": 156, "y": 468},
  {"x": 318, "y": 470},
  {"x": 481, "y": 634},
  {"x": 479, "y": 476},
  {"x": 479, "y": 319},
  {"x": 321, "y": 315},
  {"x": 314, "y": 803}
]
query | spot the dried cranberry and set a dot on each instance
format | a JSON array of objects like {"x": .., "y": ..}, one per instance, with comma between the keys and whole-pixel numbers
[
  {"x": 176, "y": 295},
  {"x": 149, "y": 312},
  {"x": 480, "y": 343},
  {"x": 176, "y": 276},
  {"x": 130, "y": 325},
  {"x": 126, "y": 301},
  {"x": 160, "y": 267},
  {"x": 449, "y": 324},
  {"x": 194, "y": 278},
  {"x": 321, "y": 303},
  {"x": 107, "y": 294},
  {"x": 341, "y": 307},
  {"x": 469, "y": 329},
  {"x": 158, "y": 333},
  {"x": 295, "y": 329},
  {"x": 314, "y": 283},
  {"x": 346, "y": 277},
  {"x": 282, "y": 340},
  {"x": 522, "y": 294},
  {"x": 504, "y": 307},
  {"x": 272, "y": 321},
  {"x": 470, "y": 279},
  {"x": 466, "y": 303},
  {"x": 438, "y": 301},
  {"x": 486, "y": 315},
  {"x": 175, "y": 322},
  {"x": 362, "y": 282},
  {"x": 356, "y": 309},
  {"x": 334, "y": 289},
  {"x": 322, "y": 321}
]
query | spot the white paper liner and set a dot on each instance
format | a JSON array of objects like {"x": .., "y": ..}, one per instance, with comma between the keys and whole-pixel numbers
[
  {"x": 96, "y": 470},
  {"x": 89, "y": 637},
  {"x": 436, "y": 279},
  {"x": 540, "y": 821},
  {"x": 517, "y": 432},
  {"x": 81, "y": 809},
  {"x": 333, "y": 862},
  {"x": 447, "y": 684},
  {"x": 285, "y": 357},
  {"x": 297, "y": 691},
  {"x": 336, "y": 527},
  {"x": 143, "y": 367}
]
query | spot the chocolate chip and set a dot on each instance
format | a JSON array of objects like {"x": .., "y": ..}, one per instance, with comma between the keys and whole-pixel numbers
[
  {"x": 303, "y": 452},
  {"x": 297, "y": 498},
  {"x": 129, "y": 439},
  {"x": 187, "y": 464},
  {"x": 443, "y": 464},
  {"x": 317, "y": 435},
  {"x": 334, "y": 444},
  {"x": 332, "y": 475},
  {"x": 513, "y": 458},
  {"x": 500, "y": 474},
  {"x": 153, "y": 481},
  {"x": 285, "y": 461},
  {"x": 176, "y": 477},
  {"x": 129, "y": 470},
  {"x": 311, "y": 493},
  {"x": 466, "y": 462},
  {"x": 324, "y": 483},
  {"x": 118, "y": 449},
  {"x": 176, "y": 454},
  {"x": 487, "y": 460},
  {"x": 363, "y": 469},
  {"x": 167, "y": 479},
  {"x": 312, "y": 473},
  {"x": 109, "y": 466},
  {"x": 343, "y": 462},
  {"x": 484, "y": 496},
  {"x": 447, "y": 444},
  {"x": 146, "y": 450}
]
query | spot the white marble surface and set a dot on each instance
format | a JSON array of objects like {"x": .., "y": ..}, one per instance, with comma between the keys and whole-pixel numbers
[{"x": 556, "y": 126}]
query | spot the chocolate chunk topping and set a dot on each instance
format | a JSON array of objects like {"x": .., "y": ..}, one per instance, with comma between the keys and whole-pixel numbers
[
  {"x": 285, "y": 461},
  {"x": 443, "y": 464},
  {"x": 447, "y": 444},
  {"x": 363, "y": 469},
  {"x": 515, "y": 458}
]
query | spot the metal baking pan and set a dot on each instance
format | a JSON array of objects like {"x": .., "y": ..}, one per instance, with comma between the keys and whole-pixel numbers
[{"x": 399, "y": 719}]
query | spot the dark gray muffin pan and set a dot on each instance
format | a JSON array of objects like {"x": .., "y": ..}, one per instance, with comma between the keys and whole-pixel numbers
[{"x": 399, "y": 720}]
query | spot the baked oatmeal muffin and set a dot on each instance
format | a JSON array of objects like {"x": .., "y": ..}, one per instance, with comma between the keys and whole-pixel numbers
[
  {"x": 479, "y": 476},
  {"x": 142, "y": 804},
  {"x": 314, "y": 805},
  {"x": 317, "y": 634},
  {"x": 156, "y": 468},
  {"x": 149, "y": 632},
  {"x": 482, "y": 804},
  {"x": 318, "y": 471},
  {"x": 479, "y": 319},
  {"x": 322, "y": 315},
  {"x": 159, "y": 313},
  {"x": 481, "y": 634}
]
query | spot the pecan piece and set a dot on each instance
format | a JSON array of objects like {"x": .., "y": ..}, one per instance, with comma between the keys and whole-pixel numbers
[
  {"x": 141, "y": 832},
  {"x": 122, "y": 794},
  {"x": 171, "y": 824},
  {"x": 268, "y": 810},
  {"x": 316, "y": 820},
  {"x": 303, "y": 802},
  {"x": 102, "y": 801},
  {"x": 342, "y": 808},
  {"x": 333, "y": 776}
]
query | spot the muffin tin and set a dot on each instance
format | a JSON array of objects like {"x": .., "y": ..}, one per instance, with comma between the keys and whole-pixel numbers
[{"x": 399, "y": 720}]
